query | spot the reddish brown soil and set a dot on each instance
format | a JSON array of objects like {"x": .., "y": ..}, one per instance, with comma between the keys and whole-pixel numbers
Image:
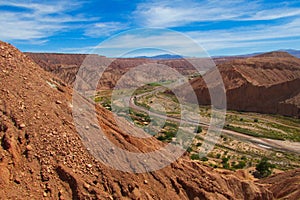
[{"x": 42, "y": 156}]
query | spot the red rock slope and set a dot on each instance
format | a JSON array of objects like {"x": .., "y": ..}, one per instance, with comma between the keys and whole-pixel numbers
[{"x": 268, "y": 83}]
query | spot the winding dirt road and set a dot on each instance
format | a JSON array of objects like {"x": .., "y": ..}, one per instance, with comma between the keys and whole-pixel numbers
[{"x": 260, "y": 142}]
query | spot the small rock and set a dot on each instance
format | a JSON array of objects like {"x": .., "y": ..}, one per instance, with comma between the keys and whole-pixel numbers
[
  {"x": 86, "y": 186},
  {"x": 87, "y": 127},
  {"x": 145, "y": 181},
  {"x": 45, "y": 194},
  {"x": 17, "y": 180},
  {"x": 29, "y": 148},
  {"x": 22, "y": 125},
  {"x": 89, "y": 165},
  {"x": 58, "y": 102}
]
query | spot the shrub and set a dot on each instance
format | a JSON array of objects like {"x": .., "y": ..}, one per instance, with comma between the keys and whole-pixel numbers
[
  {"x": 189, "y": 149},
  {"x": 204, "y": 159},
  {"x": 198, "y": 129},
  {"x": 195, "y": 157},
  {"x": 240, "y": 165},
  {"x": 244, "y": 158},
  {"x": 225, "y": 162},
  {"x": 264, "y": 168}
]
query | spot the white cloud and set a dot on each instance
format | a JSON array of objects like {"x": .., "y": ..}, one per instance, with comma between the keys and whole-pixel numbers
[
  {"x": 40, "y": 20},
  {"x": 137, "y": 39},
  {"x": 248, "y": 34},
  {"x": 253, "y": 38},
  {"x": 104, "y": 29},
  {"x": 179, "y": 13}
]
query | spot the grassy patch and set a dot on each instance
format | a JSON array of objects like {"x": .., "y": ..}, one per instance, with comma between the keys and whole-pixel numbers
[{"x": 271, "y": 135}]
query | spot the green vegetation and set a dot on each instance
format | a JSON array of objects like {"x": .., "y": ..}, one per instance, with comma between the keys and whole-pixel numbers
[
  {"x": 204, "y": 159},
  {"x": 198, "y": 129},
  {"x": 230, "y": 153},
  {"x": 271, "y": 135},
  {"x": 171, "y": 124},
  {"x": 195, "y": 156},
  {"x": 155, "y": 84},
  {"x": 166, "y": 136},
  {"x": 240, "y": 165},
  {"x": 189, "y": 149},
  {"x": 264, "y": 168},
  {"x": 140, "y": 118},
  {"x": 225, "y": 162}
]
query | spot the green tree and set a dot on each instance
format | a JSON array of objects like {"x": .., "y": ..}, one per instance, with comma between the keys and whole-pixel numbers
[
  {"x": 204, "y": 159},
  {"x": 195, "y": 157},
  {"x": 198, "y": 129},
  {"x": 264, "y": 168},
  {"x": 225, "y": 162},
  {"x": 240, "y": 165}
]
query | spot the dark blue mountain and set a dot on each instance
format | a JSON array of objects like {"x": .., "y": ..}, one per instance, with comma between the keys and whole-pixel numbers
[{"x": 162, "y": 57}]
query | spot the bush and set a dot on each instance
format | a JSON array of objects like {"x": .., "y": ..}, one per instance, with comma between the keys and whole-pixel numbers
[
  {"x": 195, "y": 157},
  {"x": 255, "y": 120},
  {"x": 166, "y": 136},
  {"x": 263, "y": 168},
  {"x": 225, "y": 162},
  {"x": 204, "y": 159},
  {"x": 198, "y": 129},
  {"x": 226, "y": 166},
  {"x": 240, "y": 165},
  {"x": 189, "y": 149}
]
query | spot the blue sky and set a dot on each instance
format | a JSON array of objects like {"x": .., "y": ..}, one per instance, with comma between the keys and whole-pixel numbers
[{"x": 221, "y": 27}]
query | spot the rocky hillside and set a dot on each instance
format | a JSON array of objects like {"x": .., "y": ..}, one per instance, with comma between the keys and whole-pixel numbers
[
  {"x": 268, "y": 83},
  {"x": 42, "y": 156},
  {"x": 278, "y": 185},
  {"x": 66, "y": 66}
]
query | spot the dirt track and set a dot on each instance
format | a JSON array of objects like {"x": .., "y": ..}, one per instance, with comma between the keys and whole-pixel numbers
[{"x": 260, "y": 142}]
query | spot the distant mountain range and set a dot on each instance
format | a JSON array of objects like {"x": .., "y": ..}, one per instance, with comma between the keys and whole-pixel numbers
[
  {"x": 293, "y": 52},
  {"x": 161, "y": 57}
]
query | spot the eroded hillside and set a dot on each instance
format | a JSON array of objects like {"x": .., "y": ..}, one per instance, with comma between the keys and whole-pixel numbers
[{"x": 267, "y": 83}]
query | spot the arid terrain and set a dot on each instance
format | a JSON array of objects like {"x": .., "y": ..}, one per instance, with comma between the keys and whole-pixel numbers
[
  {"x": 267, "y": 83},
  {"x": 271, "y": 79},
  {"x": 43, "y": 157},
  {"x": 66, "y": 66}
]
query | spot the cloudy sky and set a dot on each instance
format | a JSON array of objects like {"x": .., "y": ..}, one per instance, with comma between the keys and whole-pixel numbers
[{"x": 228, "y": 27}]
